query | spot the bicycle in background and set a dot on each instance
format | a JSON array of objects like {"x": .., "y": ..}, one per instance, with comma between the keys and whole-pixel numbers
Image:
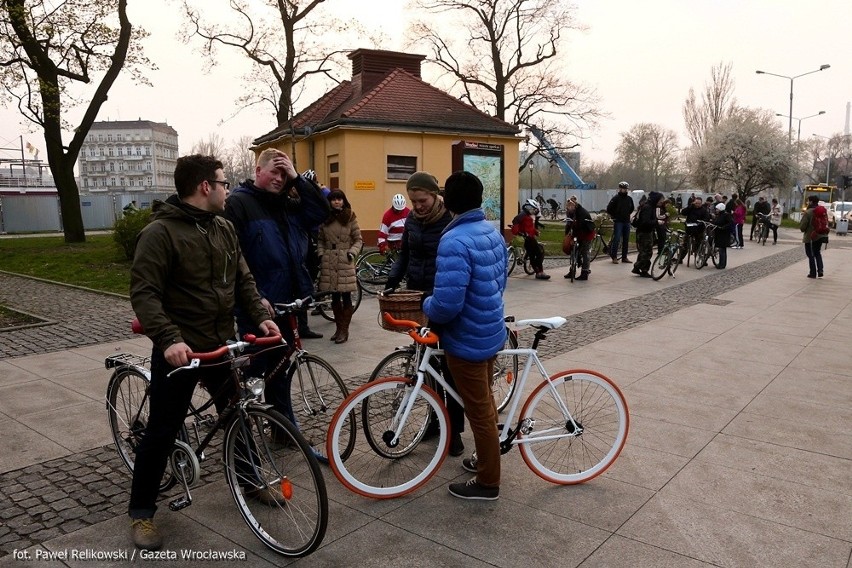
[
  {"x": 573, "y": 259},
  {"x": 372, "y": 269},
  {"x": 666, "y": 260},
  {"x": 761, "y": 229},
  {"x": 516, "y": 255},
  {"x": 599, "y": 243},
  {"x": 316, "y": 388},
  {"x": 707, "y": 250}
]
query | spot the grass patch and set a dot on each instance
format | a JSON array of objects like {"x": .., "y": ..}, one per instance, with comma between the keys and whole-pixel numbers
[
  {"x": 96, "y": 264},
  {"x": 14, "y": 318}
]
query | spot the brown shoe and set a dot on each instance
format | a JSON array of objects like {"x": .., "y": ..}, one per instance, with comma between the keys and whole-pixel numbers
[
  {"x": 614, "y": 260},
  {"x": 145, "y": 534}
]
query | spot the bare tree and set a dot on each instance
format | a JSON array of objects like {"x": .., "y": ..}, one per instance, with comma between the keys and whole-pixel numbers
[
  {"x": 717, "y": 101},
  {"x": 49, "y": 51},
  {"x": 747, "y": 151},
  {"x": 650, "y": 153},
  {"x": 282, "y": 41},
  {"x": 214, "y": 145},
  {"x": 502, "y": 59},
  {"x": 829, "y": 159},
  {"x": 240, "y": 160}
]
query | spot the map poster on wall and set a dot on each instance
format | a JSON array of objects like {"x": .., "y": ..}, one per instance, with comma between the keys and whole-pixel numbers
[{"x": 485, "y": 161}]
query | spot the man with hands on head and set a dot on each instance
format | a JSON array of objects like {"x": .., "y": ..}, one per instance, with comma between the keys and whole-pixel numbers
[{"x": 273, "y": 215}]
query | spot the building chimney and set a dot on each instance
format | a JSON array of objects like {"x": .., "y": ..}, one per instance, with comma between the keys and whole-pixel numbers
[{"x": 371, "y": 66}]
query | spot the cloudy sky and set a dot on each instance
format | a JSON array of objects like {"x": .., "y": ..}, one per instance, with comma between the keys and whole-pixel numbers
[{"x": 641, "y": 57}]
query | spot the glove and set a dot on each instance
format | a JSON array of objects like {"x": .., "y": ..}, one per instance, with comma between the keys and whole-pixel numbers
[{"x": 383, "y": 248}]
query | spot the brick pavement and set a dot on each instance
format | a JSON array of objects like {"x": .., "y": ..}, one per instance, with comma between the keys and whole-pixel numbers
[
  {"x": 75, "y": 316},
  {"x": 43, "y": 501}
]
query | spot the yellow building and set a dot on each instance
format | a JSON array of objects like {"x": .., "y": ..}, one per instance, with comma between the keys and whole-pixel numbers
[{"x": 369, "y": 134}]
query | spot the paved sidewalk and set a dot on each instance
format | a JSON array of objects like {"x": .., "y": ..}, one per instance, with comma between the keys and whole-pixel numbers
[{"x": 739, "y": 453}]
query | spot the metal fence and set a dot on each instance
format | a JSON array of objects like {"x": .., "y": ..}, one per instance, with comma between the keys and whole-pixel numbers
[
  {"x": 593, "y": 200},
  {"x": 33, "y": 213}
]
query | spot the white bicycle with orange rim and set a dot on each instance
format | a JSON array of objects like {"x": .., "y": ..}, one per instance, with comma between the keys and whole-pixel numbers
[{"x": 572, "y": 426}]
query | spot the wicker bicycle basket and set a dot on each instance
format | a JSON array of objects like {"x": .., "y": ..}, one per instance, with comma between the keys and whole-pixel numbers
[{"x": 401, "y": 305}]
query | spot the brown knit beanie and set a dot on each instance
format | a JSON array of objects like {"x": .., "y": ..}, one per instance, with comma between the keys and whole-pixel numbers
[{"x": 422, "y": 180}]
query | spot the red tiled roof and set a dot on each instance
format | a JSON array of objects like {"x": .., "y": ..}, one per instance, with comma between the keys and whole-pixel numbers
[{"x": 400, "y": 100}]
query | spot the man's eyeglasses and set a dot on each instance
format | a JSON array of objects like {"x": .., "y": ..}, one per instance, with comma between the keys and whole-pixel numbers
[{"x": 227, "y": 184}]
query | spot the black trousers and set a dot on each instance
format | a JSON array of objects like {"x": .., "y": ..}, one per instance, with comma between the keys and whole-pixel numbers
[{"x": 169, "y": 399}]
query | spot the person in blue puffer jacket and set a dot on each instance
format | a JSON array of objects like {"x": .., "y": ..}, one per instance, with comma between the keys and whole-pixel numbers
[{"x": 467, "y": 301}]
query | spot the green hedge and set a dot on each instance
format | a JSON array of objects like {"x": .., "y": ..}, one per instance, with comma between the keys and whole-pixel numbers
[{"x": 126, "y": 229}]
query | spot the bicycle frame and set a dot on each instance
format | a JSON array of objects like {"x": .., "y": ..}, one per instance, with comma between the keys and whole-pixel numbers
[{"x": 507, "y": 435}]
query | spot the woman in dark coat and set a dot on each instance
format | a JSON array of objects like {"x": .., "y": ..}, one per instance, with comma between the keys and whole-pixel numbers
[{"x": 416, "y": 263}]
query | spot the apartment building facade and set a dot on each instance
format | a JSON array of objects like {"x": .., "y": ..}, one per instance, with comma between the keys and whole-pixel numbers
[{"x": 126, "y": 156}]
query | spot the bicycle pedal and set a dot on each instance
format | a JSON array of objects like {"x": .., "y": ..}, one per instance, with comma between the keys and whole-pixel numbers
[{"x": 180, "y": 503}]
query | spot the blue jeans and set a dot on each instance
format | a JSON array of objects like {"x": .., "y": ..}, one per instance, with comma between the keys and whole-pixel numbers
[
  {"x": 620, "y": 234},
  {"x": 814, "y": 253}
]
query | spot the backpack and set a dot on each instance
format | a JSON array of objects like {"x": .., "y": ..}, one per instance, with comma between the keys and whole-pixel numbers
[
  {"x": 516, "y": 224},
  {"x": 819, "y": 223}
]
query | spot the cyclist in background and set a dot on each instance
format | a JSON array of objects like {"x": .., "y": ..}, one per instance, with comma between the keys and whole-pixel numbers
[
  {"x": 579, "y": 223},
  {"x": 693, "y": 213},
  {"x": 393, "y": 224},
  {"x": 620, "y": 208},
  {"x": 525, "y": 225},
  {"x": 762, "y": 207},
  {"x": 554, "y": 205}
]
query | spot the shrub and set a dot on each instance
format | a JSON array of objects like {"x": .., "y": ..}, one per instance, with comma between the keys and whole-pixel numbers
[{"x": 126, "y": 229}]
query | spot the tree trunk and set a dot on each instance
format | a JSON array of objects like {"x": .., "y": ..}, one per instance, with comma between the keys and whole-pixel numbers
[
  {"x": 69, "y": 202},
  {"x": 62, "y": 167}
]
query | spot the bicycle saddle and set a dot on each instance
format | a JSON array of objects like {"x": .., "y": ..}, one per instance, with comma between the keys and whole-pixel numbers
[{"x": 548, "y": 323}]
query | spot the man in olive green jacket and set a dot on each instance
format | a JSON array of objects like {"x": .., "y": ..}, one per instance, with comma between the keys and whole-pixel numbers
[{"x": 188, "y": 273}]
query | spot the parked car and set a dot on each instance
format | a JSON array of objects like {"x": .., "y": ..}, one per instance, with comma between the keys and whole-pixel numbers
[{"x": 838, "y": 210}]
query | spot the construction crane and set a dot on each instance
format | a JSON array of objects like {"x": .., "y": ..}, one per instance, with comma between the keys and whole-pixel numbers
[{"x": 570, "y": 178}]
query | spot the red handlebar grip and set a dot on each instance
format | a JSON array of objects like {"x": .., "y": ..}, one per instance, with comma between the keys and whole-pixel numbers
[
  {"x": 211, "y": 355},
  {"x": 261, "y": 341}
]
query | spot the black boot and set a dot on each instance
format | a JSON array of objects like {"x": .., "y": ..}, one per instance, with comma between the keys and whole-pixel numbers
[{"x": 304, "y": 331}]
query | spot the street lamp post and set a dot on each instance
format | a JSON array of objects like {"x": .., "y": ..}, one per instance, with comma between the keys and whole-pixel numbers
[
  {"x": 531, "y": 169},
  {"x": 821, "y": 68},
  {"x": 799, "y": 135}
]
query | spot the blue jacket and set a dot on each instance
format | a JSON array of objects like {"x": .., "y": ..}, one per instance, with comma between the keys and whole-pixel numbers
[
  {"x": 468, "y": 295},
  {"x": 273, "y": 232}
]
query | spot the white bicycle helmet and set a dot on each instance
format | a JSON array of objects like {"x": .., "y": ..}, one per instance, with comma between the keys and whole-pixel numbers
[
  {"x": 530, "y": 204},
  {"x": 398, "y": 202},
  {"x": 623, "y": 185}
]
